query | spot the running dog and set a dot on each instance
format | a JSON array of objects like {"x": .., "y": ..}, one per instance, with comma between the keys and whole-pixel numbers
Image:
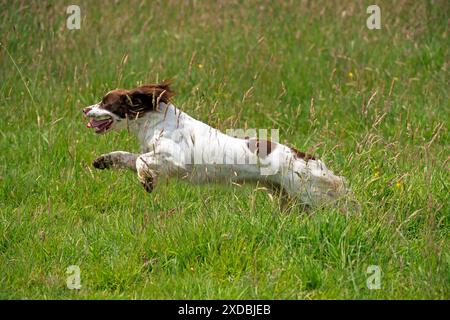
[{"x": 175, "y": 144}]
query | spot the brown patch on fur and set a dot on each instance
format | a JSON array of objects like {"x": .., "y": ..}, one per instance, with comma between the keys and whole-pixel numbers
[
  {"x": 302, "y": 155},
  {"x": 262, "y": 147},
  {"x": 136, "y": 102}
]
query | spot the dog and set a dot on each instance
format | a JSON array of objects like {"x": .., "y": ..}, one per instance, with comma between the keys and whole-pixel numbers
[{"x": 174, "y": 144}]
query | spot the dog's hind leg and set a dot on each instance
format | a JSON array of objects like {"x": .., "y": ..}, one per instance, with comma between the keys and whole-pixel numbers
[
  {"x": 287, "y": 202},
  {"x": 116, "y": 160}
]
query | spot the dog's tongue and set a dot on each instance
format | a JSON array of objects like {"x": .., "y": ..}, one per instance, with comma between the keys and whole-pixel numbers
[{"x": 96, "y": 123}]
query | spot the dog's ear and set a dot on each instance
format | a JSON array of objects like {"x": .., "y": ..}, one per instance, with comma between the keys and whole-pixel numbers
[
  {"x": 148, "y": 96},
  {"x": 139, "y": 100}
]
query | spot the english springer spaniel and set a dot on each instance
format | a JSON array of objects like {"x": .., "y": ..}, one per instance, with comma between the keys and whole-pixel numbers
[{"x": 175, "y": 144}]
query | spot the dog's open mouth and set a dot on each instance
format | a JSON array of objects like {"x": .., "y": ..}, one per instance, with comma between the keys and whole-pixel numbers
[{"x": 100, "y": 124}]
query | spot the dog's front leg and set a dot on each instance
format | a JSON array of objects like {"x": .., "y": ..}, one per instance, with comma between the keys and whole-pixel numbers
[
  {"x": 166, "y": 161},
  {"x": 116, "y": 160},
  {"x": 147, "y": 168}
]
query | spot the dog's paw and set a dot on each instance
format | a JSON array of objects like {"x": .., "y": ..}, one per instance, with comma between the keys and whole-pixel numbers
[{"x": 103, "y": 162}]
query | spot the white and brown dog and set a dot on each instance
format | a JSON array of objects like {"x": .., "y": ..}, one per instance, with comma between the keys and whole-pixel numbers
[{"x": 175, "y": 144}]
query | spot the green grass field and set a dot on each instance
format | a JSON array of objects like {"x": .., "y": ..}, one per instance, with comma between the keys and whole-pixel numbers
[{"x": 374, "y": 104}]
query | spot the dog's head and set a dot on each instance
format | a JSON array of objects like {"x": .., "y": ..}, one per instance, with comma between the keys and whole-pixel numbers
[{"x": 119, "y": 107}]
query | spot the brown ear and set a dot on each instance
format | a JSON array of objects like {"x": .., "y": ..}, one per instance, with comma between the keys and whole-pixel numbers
[
  {"x": 151, "y": 94},
  {"x": 145, "y": 98}
]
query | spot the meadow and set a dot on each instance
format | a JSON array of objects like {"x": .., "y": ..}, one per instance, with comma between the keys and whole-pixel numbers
[{"x": 373, "y": 104}]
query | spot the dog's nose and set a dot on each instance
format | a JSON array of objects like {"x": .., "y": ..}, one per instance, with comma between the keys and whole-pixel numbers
[{"x": 86, "y": 110}]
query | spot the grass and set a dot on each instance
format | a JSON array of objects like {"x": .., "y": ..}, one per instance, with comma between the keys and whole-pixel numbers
[{"x": 373, "y": 104}]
